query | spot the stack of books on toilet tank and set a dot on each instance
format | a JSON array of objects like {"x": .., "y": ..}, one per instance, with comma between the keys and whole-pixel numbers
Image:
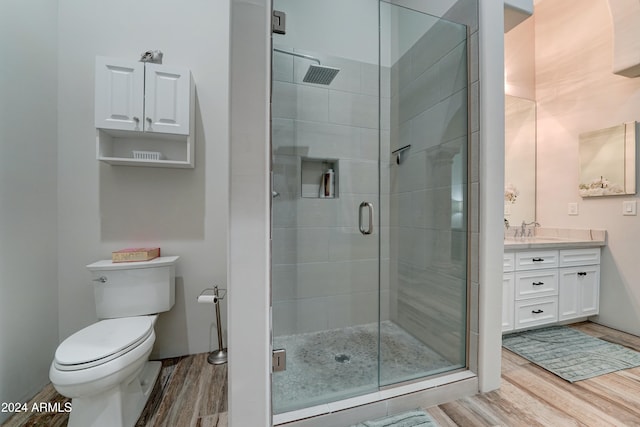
[{"x": 135, "y": 254}]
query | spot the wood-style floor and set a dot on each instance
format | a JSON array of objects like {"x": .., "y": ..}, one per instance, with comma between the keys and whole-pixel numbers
[
  {"x": 192, "y": 393},
  {"x": 531, "y": 396},
  {"x": 189, "y": 393}
]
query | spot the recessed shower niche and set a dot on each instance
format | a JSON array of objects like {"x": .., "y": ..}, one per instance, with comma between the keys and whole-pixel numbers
[{"x": 319, "y": 178}]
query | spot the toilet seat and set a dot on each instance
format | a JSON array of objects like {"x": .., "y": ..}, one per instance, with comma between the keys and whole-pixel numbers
[{"x": 102, "y": 342}]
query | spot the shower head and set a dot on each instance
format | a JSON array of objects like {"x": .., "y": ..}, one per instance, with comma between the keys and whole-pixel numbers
[
  {"x": 320, "y": 74},
  {"x": 317, "y": 74}
]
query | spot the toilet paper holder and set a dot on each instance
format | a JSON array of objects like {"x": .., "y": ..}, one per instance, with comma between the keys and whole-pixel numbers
[{"x": 213, "y": 296}]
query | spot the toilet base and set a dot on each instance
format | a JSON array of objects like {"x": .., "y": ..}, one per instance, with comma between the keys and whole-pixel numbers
[{"x": 119, "y": 406}]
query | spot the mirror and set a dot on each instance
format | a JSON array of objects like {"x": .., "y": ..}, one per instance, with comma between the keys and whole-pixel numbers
[
  {"x": 607, "y": 161},
  {"x": 520, "y": 160}
]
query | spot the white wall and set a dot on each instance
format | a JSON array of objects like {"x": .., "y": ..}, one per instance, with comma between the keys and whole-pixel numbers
[
  {"x": 103, "y": 208},
  {"x": 328, "y": 26},
  {"x": 577, "y": 92},
  {"x": 249, "y": 227},
  {"x": 28, "y": 269},
  {"x": 491, "y": 182}
]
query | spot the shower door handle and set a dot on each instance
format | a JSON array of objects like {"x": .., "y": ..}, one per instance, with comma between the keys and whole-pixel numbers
[{"x": 369, "y": 207}]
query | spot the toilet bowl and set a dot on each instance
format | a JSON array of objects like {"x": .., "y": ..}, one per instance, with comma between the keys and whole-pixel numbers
[{"x": 104, "y": 368}]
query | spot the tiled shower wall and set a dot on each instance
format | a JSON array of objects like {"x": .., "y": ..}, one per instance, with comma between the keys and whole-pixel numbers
[
  {"x": 325, "y": 272},
  {"x": 428, "y": 234}
]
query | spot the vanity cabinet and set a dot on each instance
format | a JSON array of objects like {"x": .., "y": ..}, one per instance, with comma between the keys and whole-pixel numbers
[
  {"x": 547, "y": 286},
  {"x": 143, "y": 113}
]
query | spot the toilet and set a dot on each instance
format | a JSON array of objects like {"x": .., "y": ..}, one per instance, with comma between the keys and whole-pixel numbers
[{"x": 105, "y": 368}]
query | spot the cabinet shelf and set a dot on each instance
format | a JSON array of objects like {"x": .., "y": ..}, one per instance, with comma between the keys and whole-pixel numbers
[{"x": 117, "y": 147}]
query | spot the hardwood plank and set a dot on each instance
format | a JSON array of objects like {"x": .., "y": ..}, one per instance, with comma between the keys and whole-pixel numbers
[
  {"x": 183, "y": 408},
  {"x": 511, "y": 361},
  {"x": 215, "y": 420},
  {"x": 580, "y": 404},
  {"x": 622, "y": 390},
  {"x": 518, "y": 407},
  {"x": 440, "y": 417},
  {"x": 464, "y": 414},
  {"x": 213, "y": 390},
  {"x": 159, "y": 389}
]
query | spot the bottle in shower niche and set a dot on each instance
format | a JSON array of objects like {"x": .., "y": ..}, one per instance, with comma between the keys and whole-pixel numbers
[{"x": 327, "y": 187}]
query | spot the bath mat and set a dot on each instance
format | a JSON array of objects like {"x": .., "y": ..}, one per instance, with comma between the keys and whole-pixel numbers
[
  {"x": 570, "y": 354},
  {"x": 406, "y": 419}
]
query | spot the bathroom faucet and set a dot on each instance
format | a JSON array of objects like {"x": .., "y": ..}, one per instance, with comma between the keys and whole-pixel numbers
[{"x": 523, "y": 228}]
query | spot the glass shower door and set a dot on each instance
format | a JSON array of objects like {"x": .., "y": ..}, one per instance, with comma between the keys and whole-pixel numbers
[
  {"x": 369, "y": 209},
  {"x": 325, "y": 248}
]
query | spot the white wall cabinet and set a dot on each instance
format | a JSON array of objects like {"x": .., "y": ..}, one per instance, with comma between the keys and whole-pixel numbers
[
  {"x": 547, "y": 286},
  {"x": 144, "y": 113}
]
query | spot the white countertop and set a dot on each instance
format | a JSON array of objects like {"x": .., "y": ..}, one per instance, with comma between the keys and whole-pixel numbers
[{"x": 557, "y": 238}]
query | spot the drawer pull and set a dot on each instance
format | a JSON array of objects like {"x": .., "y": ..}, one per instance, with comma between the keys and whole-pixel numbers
[
  {"x": 539, "y": 283},
  {"x": 537, "y": 311},
  {"x": 582, "y": 273},
  {"x": 538, "y": 259}
]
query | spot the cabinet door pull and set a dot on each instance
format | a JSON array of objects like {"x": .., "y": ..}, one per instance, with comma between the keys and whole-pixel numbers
[
  {"x": 537, "y": 311},
  {"x": 537, "y": 283},
  {"x": 582, "y": 273},
  {"x": 538, "y": 259}
]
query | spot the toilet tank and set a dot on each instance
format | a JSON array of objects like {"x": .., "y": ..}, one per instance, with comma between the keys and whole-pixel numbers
[{"x": 125, "y": 289}]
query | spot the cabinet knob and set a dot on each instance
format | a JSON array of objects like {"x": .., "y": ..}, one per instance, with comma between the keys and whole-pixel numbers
[
  {"x": 149, "y": 120},
  {"x": 137, "y": 120}
]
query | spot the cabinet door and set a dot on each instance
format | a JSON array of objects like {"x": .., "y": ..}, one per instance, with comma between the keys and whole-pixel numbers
[
  {"x": 589, "y": 283},
  {"x": 119, "y": 94},
  {"x": 167, "y": 99},
  {"x": 569, "y": 295},
  {"x": 579, "y": 291},
  {"x": 508, "y": 286}
]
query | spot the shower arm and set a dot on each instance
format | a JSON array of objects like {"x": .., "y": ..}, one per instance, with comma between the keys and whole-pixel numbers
[{"x": 299, "y": 55}]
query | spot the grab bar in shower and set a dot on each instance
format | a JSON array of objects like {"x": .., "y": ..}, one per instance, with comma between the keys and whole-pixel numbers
[{"x": 368, "y": 230}]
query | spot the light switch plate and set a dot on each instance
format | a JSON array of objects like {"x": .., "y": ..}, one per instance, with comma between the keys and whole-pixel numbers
[
  {"x": 572, "y": 209},
  {"x": 629, "y": 207}
]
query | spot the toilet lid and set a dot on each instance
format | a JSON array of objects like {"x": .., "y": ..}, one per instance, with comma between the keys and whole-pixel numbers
[{"x": 102, "y": 341}]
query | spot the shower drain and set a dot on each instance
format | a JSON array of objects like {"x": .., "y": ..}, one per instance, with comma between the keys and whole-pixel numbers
[{"x": 342, "y": 358}]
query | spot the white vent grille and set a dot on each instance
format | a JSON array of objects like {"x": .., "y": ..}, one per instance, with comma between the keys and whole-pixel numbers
[{"x": 147, "y": 155}]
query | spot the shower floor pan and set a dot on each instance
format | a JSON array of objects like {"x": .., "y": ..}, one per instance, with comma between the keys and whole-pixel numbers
[{"x": 340, "y": 363}]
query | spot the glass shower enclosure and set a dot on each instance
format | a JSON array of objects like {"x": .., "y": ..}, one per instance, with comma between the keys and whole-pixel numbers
[{"x": 369, "y": 199}]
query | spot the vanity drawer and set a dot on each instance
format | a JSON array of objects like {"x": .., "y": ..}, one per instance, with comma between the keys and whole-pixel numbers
[
  {"x": 573, "y": 257},
  {"x": 536, "y": 312},
  {"x": 531, "y": 260},
  {"x": 509, "y": 261},
  {"x": 536, "y": 283}
]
